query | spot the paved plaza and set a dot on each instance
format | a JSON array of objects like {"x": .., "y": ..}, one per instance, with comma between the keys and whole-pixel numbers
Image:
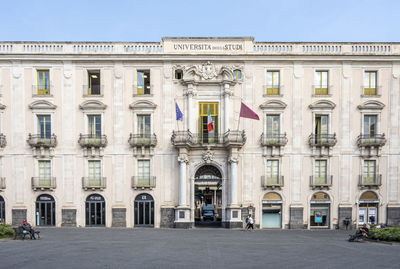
[{"x": 194, "y": 248}]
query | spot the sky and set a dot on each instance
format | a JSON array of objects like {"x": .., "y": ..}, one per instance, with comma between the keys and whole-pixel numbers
[{"x": 150, "y": 20}]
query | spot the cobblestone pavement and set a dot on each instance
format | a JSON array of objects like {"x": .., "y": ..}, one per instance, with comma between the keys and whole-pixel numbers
[{"x": 194, "y": 248}]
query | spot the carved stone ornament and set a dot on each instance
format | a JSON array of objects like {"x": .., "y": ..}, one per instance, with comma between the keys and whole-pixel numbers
[
  {"x": 233, "y": 159},
  {"x": 67, "y": 74},
  {"x": 183, "y": 158},
  {"x": 208, "y": 71},
  {"x": 208, "y": 156}
]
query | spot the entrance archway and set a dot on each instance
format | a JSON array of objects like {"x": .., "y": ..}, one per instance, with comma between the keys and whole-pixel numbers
[
  {"x": 144, "y": 210},
  {"x": 45, "y": 210},
  {"x": 2, "y": 210},
  {"x": 95, "y": 210},
  {"x": 320, "y": 210},
  {"x": 272, "y": 210},
  {"x": 208, "y": 196},
  {"x": 368, "y": 208}
]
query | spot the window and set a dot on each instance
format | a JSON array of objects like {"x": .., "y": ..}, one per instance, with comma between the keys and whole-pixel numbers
[
  {"x": 272, "y": 171},
  {"x": 205, "y": 135},
  {"x": 143, "y": 172},
  {"x": 144, "y": 128},
  {"x": 321, "y": 82},
  {"x": 370, "y": 83},
  {"x": 44, "y": 126},
  {"x": 94, "y": 173},
  {"x": 273, "y": 82},
  {"x": 94, "y": 125},
  {"x": 320, "y": 172},
  {"x": 43, "y": 82},
  {"x": 143, "y": 82},
  {"x": 44, "y": 173},
  {"x": 237, "y": 74},
  {"x": 178, "y": 74},
  {"x": 321, "y": 125},
  {"x": 94, "y": 83},
  {"x": 369, "y": 171},
  {"x": 273, "y": 128},
  {"x": 370, "y": 126}
]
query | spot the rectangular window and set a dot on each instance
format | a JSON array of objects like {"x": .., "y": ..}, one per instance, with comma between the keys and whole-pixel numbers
[
  {"x": 44, "y": 173},
  {"x": 94, "y": 125},
  {"x": 273, "y": 129},
  {"x": 321, "y": 82},
  {"x": 143, "y": 82},
  {"x": 272, "y": 171},
  {"x": 143, "y": 172},
  {"x": 370, "y": 126},
  {"x": 273, "y": 82},
  {"x": 321, "y": 125},
  {"x": 94, "y": 83},
  {"x": 44, "y": 126},
  {"x": 320, "y": 172},
  {"x": 205, "y": 135},
  {"x": 369, "y": 171},
  {"x": 43, "y": 82},
  {"x": 370, "y": 83},
  {"x": 94, "y": 173}
]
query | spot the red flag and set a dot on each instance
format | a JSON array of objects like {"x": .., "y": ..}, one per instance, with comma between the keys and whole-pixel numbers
[
  {"x": 210, "y": 123},
  {"x": 246, "y": 112}
]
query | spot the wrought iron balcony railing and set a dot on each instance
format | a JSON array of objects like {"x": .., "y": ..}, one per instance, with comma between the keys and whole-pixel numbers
[
  {"x": 3, "y": 141},
  {"x": 370, "y": 180},
  {"x": 322, "y": 140},
  {"x": 143, "y": 182},
  {"x": 324, "y": 181},
  {"x": 273, "y": 139},
  {"x": 229, "y": 138},
  {"x": 267, "y": 181},
  {"x": 39, "y": 140},
  {"x": 377, "y": 140},
  {"x": 43, "y": 183},
  {"x": 90, "y": 140},
  {"x": 2, "y": 183},
  {"x": 138, "y": 140},
  {"x": 94, "y": 183}
]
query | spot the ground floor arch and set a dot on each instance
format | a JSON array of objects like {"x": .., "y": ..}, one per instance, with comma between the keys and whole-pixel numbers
[
  {"x": 95, "y": 210},
  {"x": 144, "y": 210},
  {"x": 272, "y": 210},
  {"x": 45, "y": 210},
  {"x": 2, "y": 210},
  {"x": 368, "y": 205},
  {"x": 320, "y": 210}
]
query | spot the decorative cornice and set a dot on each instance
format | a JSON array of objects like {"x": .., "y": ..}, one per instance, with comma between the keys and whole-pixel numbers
[
  {"x": 371, "y": 105},
  {"x": 323, "y": 104},
  {"x": 142, "y": 104},
  {"x": 273, "y": 104},
  {"x": 92, "y": 105},
  {"x": 42, "y": 104}
]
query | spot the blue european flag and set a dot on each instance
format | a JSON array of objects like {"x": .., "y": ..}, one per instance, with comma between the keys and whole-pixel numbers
[{"x": 179, "y": 115}]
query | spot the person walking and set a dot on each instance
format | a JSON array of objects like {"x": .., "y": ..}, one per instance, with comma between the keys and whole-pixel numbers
[{"x": 250, "y": 223}]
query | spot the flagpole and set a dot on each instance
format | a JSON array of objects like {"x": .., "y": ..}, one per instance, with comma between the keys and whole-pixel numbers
[{"x": 176, "y": 121}]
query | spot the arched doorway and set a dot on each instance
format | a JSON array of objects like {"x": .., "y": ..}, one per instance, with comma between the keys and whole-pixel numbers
[
  {"x": 144, "y": 210},
  {"x": 208, "y": 196},
  {"x": 368, "y": 208},
  {"x": 272, "y": 210},
  {"x": 2, "y": 210},
  {"x": 45, "y": 210},
  {"x": 320, "y": 210},
  {"x": 95, "y": 210}
]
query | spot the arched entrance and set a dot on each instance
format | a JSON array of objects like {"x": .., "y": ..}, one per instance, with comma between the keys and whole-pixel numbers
[
  {"x": 208, "y": 196},
  {"x": 2, "y": 210},
  {"x": 320, "y": 210},
  {"x": 95, "y": 210},
  {"x": 272, "y": 210},
  {"x": 144, "y": 210},
  {"x": 45, "y": 210},
  {"x": 368, "y": 208}
]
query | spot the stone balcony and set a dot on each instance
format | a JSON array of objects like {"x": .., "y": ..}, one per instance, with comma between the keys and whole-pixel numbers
[
  {"x": 272, "y": 182},
  {"x": 230, "y": 139},
  {"x": 41, "y": 141},
  {"x": 322, "y": 140},
  {"x": 41, "y": 184},
  {"x": 273, "y": 140},
  {"x": 370, "y": 182},
  {"x": 93, "y": 183},
  {"x": 143, "y": 144},
  {"x": 3, "y": 141},
  {"x": 370, "y": 144},
  {"x": 2, "y": 183},
  {"x": 321, "y": 182},
  {"x": 143, "y": 182},
  {"x": 93, "y": 145}
]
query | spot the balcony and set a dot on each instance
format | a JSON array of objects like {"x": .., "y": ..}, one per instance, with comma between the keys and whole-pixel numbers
[
  {"x": 41, "y": 141},
  {"x": 272, "y": 182},
  {"x": 143, "y": 182},
  {"x": 373, "y": 181},
  {"x": 321, "y": 182},
  {"x": 89, "y": 183},
  {"x": 42, "y": 184},
  {"x": 142, "y": 140},
  {"x": 2, "y": 183},
  {"x": 322, "y": 140},
  {"x": 377, "y": 140},
  {"x": 228, "y": 139},
  {"x": 275, "y": 140},
  {"x": 92, "y": 141},
  {"x": 3, "y": 141}
]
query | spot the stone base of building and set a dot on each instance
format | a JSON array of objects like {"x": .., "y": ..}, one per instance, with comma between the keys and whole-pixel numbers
[
  {"x": 296, "y": 218},
  {"x": 345, "y": 217},
  {"x": 167, "y": 217},
  {"x": 183, "y": 225},
  {"x": 18, "y": 217},
  {"x": 182, "y": 217},
  {"x": 118, "y": 217},
  {"x": 68, "y": 217},
  {"x": 232, "y": 224},
  {"x": 393, "y": 216}
]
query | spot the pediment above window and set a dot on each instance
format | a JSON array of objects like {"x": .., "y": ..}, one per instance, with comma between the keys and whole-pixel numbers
[
  {"x": 143, "y": 105},
  {"x": 273, "y": 105},
  {"x": 2, "y": 107},
  {"x": 42, "y": 104},
  {"x": 371, "y": 105},
  {"x": 323, "y": 104},
  {"x": 92, "y": 105}
]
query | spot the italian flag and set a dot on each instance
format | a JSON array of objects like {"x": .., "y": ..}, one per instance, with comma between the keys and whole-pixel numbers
[{"x": 210, "y": 123}]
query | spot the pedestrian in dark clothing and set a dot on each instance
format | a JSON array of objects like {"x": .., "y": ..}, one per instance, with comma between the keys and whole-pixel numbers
[{"x": 28, "y": 227}]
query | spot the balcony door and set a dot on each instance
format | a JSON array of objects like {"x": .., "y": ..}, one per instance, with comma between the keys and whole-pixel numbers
[
  {"x": 44, "y": 126},
  {"x": 370, "y": 126},
  {"x": 204, "y": 110},
  {"x": 369, "y": 171},
  {"x": 273, "y": 128},
  {"x": 144, "y": 128},
  {"x": 45, "y": 173},
  {"x": 94, "y": 125}
]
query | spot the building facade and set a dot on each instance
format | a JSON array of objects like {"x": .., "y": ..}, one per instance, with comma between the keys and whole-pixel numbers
[{"x": 90, "y": 136}]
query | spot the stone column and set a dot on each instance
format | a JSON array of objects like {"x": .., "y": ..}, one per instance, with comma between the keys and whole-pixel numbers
[
  {"x": 233, "y": 190},
  {"x": 190, "y": 92},
  {"x": 183, "y": 160},
  {"x": 233, "y": 211},
  {"x": 183, "y": 210},
  {"x": 227, "y": 106}
]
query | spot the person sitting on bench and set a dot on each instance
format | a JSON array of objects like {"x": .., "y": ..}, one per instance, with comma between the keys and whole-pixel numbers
[{"x": 28, "y": 227}]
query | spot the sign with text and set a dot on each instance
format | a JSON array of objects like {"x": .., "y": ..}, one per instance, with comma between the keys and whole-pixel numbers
[{"x": 205, "y": 46}]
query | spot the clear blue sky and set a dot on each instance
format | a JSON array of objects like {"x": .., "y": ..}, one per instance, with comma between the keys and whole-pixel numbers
[{"x": 150, "y": 20}]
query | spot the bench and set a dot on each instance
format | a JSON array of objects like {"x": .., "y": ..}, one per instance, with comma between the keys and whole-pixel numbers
[{"x": 21, "y": 233}]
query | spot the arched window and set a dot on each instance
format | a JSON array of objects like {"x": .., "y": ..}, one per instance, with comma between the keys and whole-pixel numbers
[
  {"x": 45, "y": 210},
  {"x": 144, "y": 210},
  {"x": 95, "y": 210}
]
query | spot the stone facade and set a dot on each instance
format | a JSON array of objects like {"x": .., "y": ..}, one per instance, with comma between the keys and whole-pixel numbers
[
  {"x": 18, "y": 216},
  {"x": 68, "y": 217},
  {"x": 119, "y": 217}
]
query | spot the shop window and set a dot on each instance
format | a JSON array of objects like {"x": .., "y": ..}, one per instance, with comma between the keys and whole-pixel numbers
[
  {"x": 143, "y": 82},
  {"x": 94, "y": 83},
  {"x": 273, "y": 82},
  {"x": 178, "y": 74},
  {"x": 320, "y": 210}
]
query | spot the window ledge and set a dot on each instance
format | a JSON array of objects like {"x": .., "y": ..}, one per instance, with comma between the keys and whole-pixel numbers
[
  {"x": 370, "y": 96},
  {"x": 321, "y": 95},
  {"x": 272, "y": 95},
  {"x": 42, "y": 95},
  {"x": 92, "y": 95},
  {"x": 142, "y": 95}
]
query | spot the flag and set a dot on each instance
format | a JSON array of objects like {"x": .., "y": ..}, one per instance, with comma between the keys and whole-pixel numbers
[
  {"x": 179, "y": 115},
  {"x": 246, "y": 112},
  {"x": 210, "y": 123}
]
